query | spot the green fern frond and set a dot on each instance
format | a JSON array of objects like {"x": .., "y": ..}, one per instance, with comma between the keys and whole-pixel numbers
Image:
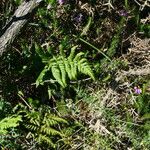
[
  {"x": 68, "y": 68},
  {"x": 51, "y": 62},
  {"x": 32, "y": 115},
  {"x": 56, "y": 74},
  {"x": 9, "y": 122},
  {"x": 80, "y": 64},
  {"x": 49, "y": 122},
  {"x": 32, "y": 127},
  {"x": 41, "y": 76},
  {"x": 61, "y": 49},
  {"x": 63, "y": 73},
  {"x": 62, "y": 67},
  {"x": 72, "y": 53},
  {"x": 78, "y": 56},
  {"x": 58, "y": 119},
  {"x": 35, "y": 122},
  {"x": 49, "y": 131},
  {"x": 52, "y": 120},
  {"x": 42, "y": 125},
  {"x": 73, "y": 71},
  {"x": 42, "y": 138},
  {"x": 85, "y": 69}
]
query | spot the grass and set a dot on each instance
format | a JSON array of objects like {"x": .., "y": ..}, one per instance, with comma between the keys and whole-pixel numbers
[{"x": 102, "y": 114}]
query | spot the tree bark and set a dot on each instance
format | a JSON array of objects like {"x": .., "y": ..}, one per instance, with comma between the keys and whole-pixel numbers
[{"x": 17, "y": 21}]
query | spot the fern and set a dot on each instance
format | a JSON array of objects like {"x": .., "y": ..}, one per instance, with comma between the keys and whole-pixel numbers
[
  {"x": 9, "y": 122},
  {"x": 42, "y": 125},
  {"x": 43, "y": 139},
  {"x": 64, "y": 68},
  {"x": 41, "y": 76},
  {"x": 63, "y": 73}
]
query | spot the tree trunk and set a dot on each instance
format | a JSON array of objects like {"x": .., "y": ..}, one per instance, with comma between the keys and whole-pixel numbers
[{"x": 17, "y": 21}]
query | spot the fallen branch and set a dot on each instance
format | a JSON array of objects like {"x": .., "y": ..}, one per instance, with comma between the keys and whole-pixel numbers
[{"x": 17, "y": 21}]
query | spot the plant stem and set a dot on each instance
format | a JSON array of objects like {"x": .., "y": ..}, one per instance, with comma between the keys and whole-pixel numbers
[{"x": 95, "y": 48}]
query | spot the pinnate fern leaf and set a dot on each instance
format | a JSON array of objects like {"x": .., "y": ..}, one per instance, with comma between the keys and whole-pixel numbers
[
  {"x": 56, "y": 74},
  {"x": 49, "y": 131},
  {"x": 63, "y": 73},
  {"x": 63, "y": 67},
  {"x": 71, "y": 56},
  {"x": 68, "y": 68},
  {"x": 42, "y": 138},
  {"x": 9, "y": 122},
  {"x": 41, "y": 76}
]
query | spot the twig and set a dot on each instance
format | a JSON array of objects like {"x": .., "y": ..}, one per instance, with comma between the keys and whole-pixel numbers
[
  {"x": 109, "y": 4},
  {"x": 80, "y": 80},
  {"x": 24, "y": 101}
]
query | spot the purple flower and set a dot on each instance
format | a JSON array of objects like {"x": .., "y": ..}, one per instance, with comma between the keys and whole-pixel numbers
[
  {"x": 137, "y": 90},
  {"x": 79, "y": 18},
  {"x": 61, "y": 1},
  {"x": 123, "y": 13}
]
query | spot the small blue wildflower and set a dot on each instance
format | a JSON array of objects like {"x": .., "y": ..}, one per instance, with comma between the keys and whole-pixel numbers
[
  {"x": 137, "y": 90},
  {"x": 61, "y": 1}
]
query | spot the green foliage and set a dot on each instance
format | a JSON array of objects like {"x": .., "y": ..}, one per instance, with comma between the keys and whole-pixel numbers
[
  {"x": 143, "y": 101},
  {"x": 145, "y": 29},
  {"x": 116, "y": 39},
  {"x": 41, "y": 124},
  {"x": 63, "y": 67},
  {"x": 143, "y": 104},
  {"x": 109, "y": 117},
  {"x": 9, "y": 122},
  {"x": 5, "y": 108},
  {"x": 17, "y": 2}
]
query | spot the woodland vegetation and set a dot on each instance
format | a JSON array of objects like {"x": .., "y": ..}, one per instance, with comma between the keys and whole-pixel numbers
[{"x": 75, "y": 74}]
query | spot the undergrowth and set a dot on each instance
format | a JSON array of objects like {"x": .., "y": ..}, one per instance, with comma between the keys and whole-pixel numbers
[{"x": 77, "y": 77}]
